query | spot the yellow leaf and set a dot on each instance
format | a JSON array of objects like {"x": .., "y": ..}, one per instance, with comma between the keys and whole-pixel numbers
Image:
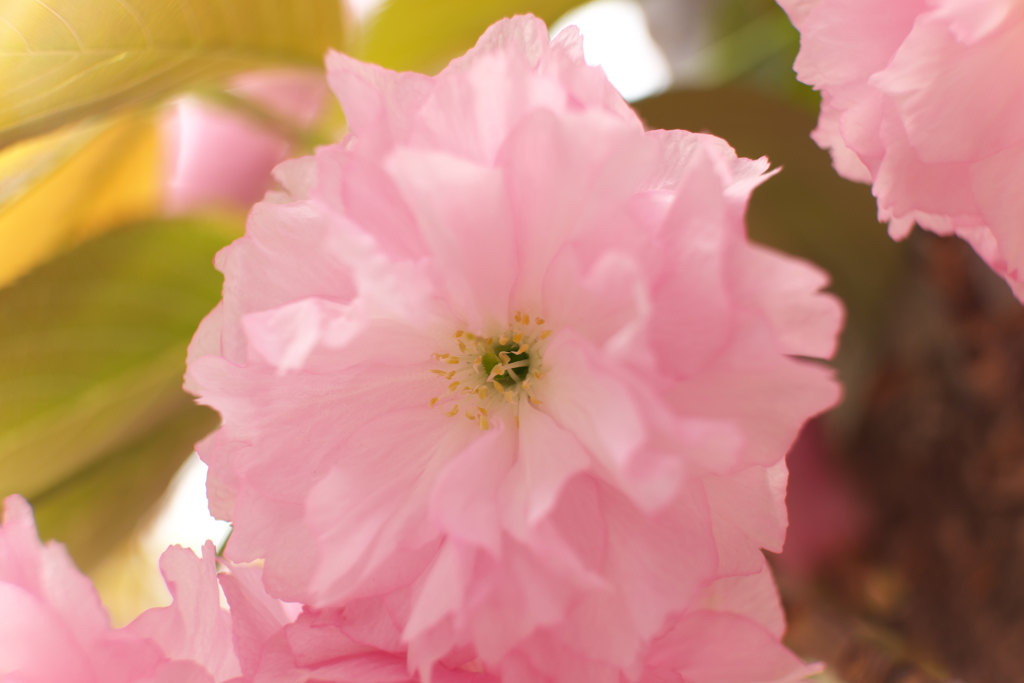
[
  {"x": 72, "y": 184},
  {"x": 62, "y": 60}
]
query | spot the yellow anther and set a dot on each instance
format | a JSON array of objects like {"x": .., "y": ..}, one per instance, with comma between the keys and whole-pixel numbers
[
  {"x": 505, "y": 357},
  {"x": 452, "y": 361},
  {"x": 453, "y": 386},
  {"x": 470, "y": 336},
  {"x": 454, "y": 411},
  {"x": 540, "y": 321},
  {"x": 536, "y": 401},
  {"x": 526, "y": 319},
  {"x": 489, "y": 341},
  {"x": 484, "y": 424},
  {"x": 526, "y": 384},
  {"x": 517, "y": 422},
  {"x": 523, "y": 348},
  {"x": 477, "y": 362},
  {"x": 498, "y": 387},
  {"x": 468, "y": 390},
  {"x": 482, "y": 393},
  {"x": 433, "y": 401},
  {"x": 458, "y": 333},
  {"x": 536, "y": 373},
  {"x": 519, "y": 317},
  {"x": 442, "y": 356},
  {"x": 483, "y": 411},
  {"x": 509, "y": 396},
  {"x": 439, "y": 372},
  {"x": 503, "y": 340},
  {"x": 517, "y": 337},
  {"x": 470, "y": 415},
  {"x": 462, "y": 347},
  {"x": 450, "y": 375},
  {"x": 545, "y": 334}
]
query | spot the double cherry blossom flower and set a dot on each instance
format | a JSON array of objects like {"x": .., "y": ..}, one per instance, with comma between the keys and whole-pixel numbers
[
  {"x": 502, "y": 367},
  {"x": 922, "y": 99},
  {"x": 506, "y": 395}
]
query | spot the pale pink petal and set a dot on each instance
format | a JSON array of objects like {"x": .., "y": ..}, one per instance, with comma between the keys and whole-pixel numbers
[
  {"x": 216, "y": 157},
  {"x": 194, "y": 627},
  {"x": 717, "y": 647},
  {"x": 451, "y": 199}
]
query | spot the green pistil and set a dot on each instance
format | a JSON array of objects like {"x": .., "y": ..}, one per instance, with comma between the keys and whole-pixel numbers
[{"x": 491, "y": 359}]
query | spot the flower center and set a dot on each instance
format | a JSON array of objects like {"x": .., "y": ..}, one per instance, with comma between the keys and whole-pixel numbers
[{"x": 487, "y": 373}]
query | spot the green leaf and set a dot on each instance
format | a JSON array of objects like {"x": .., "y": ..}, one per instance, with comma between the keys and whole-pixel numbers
[
  {"x": 65, "y": 59},
  {"x": 806, "y": 210},
  {"x": 92, "y": 511},
  {"x": 413, "y": 35},
  {"x": 92, "y": 353}
]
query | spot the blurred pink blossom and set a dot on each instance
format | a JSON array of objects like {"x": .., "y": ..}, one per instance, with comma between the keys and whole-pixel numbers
[
  {"x": 923, "y": 99},
  {"x": 53, "y": 628},
  {"x": 506, "y": 363},
  {"x": 216, "y": 157},
  {"x": 827, "y": 518}
]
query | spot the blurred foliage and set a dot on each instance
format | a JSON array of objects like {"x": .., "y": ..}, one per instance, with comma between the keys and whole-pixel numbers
[
  {"x": 413, "y": 35},
  {"x": 755, "y": 47},
  {"x": 806, "y": 210},
  {"x": 59, "y": 189},
  {"x": 66, "y": 59},
  {"x": 93, "y": 347}
]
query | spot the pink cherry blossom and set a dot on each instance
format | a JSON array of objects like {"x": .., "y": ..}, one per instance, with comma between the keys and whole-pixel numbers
[
  {"x": 922, "y": 99},
  {"x": 359, "y": 643},
  {"x": 506, "y": 363},
  {"x": 53, "y": 628},
  {"x": 217, "y": 157}
]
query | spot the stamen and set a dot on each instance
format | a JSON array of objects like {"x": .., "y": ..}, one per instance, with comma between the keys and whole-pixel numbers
[
  {"x": 536, "y": 401},
  {"x": 453, "y": 386},
  {"x": 502, "y": 340},
  {"x": 459, "y": 333},
  {"x": 485, "y": 424},
  {"x": 526, "y": 384},
  {"x": 517, "y": 337},
  {"x": 483, "y": 411},
  {"x": 519, "y": 317},
  {"x": 540, "y": 321},
  {"x": 517, "y": 422},
  {"x": 454, "y": 411},
  {"x": 509, "y": 396},
  {"x": 433, "y": 401},
  {"x": 482, "y": 392},
  {"x": 440, "y": 372},
  {"x": 536, "y": 373},
  {"x": 462, "y": 347},
  {"x": 452, "y": 361},
  {"x": 545, "y": 334},
  {"x": 526, "y": 318},
  {"x": 470, "y": 415},
  {"x": 523, "y": 348},
  {"x": 450, "y": 375}
]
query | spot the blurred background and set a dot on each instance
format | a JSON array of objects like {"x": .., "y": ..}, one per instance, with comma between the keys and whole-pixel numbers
[{"x": 134, "y": 138}]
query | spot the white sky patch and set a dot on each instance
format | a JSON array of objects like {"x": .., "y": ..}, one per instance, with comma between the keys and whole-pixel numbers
[
  {"x": 364, "y": 9},
  {"x": 185, "y": 516},
  {"x": 615, "y": 36}
]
